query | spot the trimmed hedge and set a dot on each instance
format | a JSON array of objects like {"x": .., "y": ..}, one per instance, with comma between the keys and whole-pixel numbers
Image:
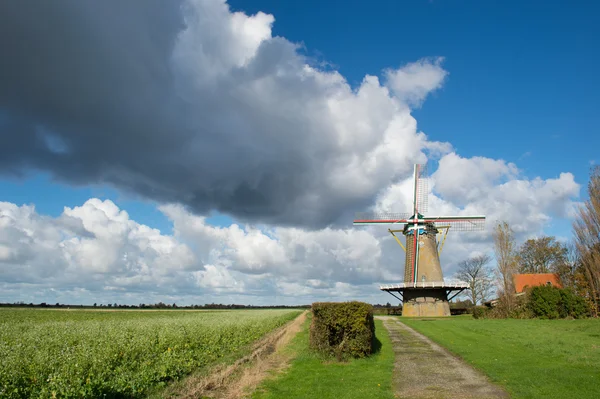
[{"x": 342, "y": 329}]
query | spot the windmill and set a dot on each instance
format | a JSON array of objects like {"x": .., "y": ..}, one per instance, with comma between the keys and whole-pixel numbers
[{"x": 424, "y": 291}]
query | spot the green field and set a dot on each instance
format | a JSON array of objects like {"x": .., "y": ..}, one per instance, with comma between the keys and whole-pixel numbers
[
  {"x": 530, "y": 358},
  {"x": 59, "y": 353},
  {"x": 312, "y": 375}
]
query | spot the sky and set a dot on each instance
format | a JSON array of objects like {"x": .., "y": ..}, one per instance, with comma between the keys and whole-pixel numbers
[{"x": 200, "y": 151}]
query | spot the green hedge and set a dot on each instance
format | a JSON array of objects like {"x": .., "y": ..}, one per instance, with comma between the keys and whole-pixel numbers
[
  {"x": 548, "y": 302},
  {"x": 342, "y": 329},
  {"x": 479, "y": 312}
]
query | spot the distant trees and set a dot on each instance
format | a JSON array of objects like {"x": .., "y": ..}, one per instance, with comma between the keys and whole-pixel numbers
[
  {"x": 476, "y": 272},
  {"x": 541, "y": 255},
  {"x": 586, "y": 228}
]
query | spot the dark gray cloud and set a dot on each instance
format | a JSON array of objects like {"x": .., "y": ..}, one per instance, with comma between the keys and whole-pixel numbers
[{"x": 185, "y": 102}]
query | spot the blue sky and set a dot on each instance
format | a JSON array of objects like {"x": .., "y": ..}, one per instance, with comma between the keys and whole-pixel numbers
[
  {"x": 521, "y": 86},
  {"x": 523, "y": 83}
]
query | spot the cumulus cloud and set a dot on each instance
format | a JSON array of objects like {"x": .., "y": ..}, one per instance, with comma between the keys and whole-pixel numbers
[
  {"x": 414, "y": 81},
  {"x": 94, "y": 246},
  {"x": 186, "y": 102},
  {"x": 495, "y": 188},
  {"x": 96, "y": 251},
  {"x": 110, "y": 257}
]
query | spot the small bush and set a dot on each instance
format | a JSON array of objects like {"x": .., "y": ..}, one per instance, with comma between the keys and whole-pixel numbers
[
  {"x": 342, "y": 329},
  {"x": 549, "y": 302},
  {"x": 479, "y": 312}
]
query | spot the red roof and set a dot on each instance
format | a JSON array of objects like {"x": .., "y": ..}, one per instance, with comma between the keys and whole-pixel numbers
[{"x": 530, "y": 280}]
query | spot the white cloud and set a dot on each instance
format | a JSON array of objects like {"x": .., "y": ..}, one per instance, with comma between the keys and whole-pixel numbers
[
  {"x": 97, "y": 251},
  {"x": 414, "y": 81},
  {"x": 106, "y": 250}
]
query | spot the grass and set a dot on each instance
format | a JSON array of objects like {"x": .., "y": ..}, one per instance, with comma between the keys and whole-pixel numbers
[
  {"x": 530, "y": 358},
  {"x": 313, "y": 376},
  {"x": 58, "y": 353}
]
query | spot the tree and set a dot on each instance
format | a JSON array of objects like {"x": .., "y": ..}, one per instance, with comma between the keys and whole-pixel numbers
[
  {"x": 569, "y": 268},
  {"x": 541, "y": 255},
  {"x": 504, "y": 249},
  {"x": 587, "y": 239},
  {"x": 479, "y": 276}
]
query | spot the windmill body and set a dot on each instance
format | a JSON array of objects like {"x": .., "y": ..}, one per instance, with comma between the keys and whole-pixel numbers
[{"x": 424, "y": 291}]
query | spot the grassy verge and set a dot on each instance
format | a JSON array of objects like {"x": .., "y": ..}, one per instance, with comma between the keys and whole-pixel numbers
[
  {"x": 312, "y": 376},
  {"x": 531, "y": 358}
]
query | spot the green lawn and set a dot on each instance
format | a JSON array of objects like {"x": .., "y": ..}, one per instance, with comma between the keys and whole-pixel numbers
[
  {"x": 531, "y": 358},
  {"x": 310, "y": 376}
]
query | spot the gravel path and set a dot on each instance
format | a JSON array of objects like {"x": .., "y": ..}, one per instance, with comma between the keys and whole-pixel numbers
[{"x": 423, "y": 369}]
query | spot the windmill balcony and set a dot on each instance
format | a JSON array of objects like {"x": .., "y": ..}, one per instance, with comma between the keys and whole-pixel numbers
[{"x": 426, "y": 284}]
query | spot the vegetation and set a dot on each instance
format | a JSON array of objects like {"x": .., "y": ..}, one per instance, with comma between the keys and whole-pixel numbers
[
  {"x": 476, "y": 272},
  {"x": 342, "y": 329},
  {"x": 541, "y": 255},
  {"x": 479, "y": 312},
  {"x": 587, "y": 240},
  {"x": 504, "y": 249},
  {"x": 57, "y": 353},
  {"x": 312, "y": 375},
  {"x": 549, "y": 302},
  {"x": 531, "y": 358}
]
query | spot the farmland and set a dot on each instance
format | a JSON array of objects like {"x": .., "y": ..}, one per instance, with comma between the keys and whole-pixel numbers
[{"x": 57, "y": 353}]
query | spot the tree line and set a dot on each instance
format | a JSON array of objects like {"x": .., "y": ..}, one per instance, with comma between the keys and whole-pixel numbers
[{"x": 159, "y": 305}]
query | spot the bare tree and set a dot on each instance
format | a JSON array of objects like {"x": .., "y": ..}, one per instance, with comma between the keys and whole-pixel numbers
[
  {"x": 476, "y": 272},
  {"x": 540, "y": 255},
  {"x": 587, "y": 239},
  {"x": 569, "y": 268},
  {"x": 504, "y": 249}
]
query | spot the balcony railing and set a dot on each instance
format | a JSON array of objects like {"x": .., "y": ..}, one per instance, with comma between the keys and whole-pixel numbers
[{"x": 425, "y": 284}]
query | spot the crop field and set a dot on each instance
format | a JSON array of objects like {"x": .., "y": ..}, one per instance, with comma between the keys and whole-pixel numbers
[{"x": 58, "y": 353}]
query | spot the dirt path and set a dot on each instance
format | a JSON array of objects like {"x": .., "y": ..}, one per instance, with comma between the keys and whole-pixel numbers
[
  {"x": 240, "y": 378},
  {"x": 423, "y": 369}
]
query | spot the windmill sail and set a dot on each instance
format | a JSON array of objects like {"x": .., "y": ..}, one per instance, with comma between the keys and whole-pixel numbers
[{"x": 421, "y": 189}]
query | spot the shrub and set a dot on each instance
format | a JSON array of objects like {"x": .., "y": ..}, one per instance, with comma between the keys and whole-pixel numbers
[
  {"x": 479, "y": 312},
  {"x": 572, "y": 305},
  {"x": 342, "y": 329},
  {"x": 549, "y": 302}
]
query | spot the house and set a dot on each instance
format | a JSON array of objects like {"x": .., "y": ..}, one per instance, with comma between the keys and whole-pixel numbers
[
  {"x": 523, "y": 281},
  {"x": 531, "y": 280}
]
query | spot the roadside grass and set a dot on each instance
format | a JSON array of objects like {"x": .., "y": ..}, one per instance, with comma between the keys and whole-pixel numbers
[
  {"x": 530, "y": 358},
  {"x": 311, "y": 375}
]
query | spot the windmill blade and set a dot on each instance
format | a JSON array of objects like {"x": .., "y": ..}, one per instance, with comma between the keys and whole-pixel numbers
[
  {"x": 365, "y": 218},
  {"x": 458, "y": 223},
  {"x": 421, "y": 185}
]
